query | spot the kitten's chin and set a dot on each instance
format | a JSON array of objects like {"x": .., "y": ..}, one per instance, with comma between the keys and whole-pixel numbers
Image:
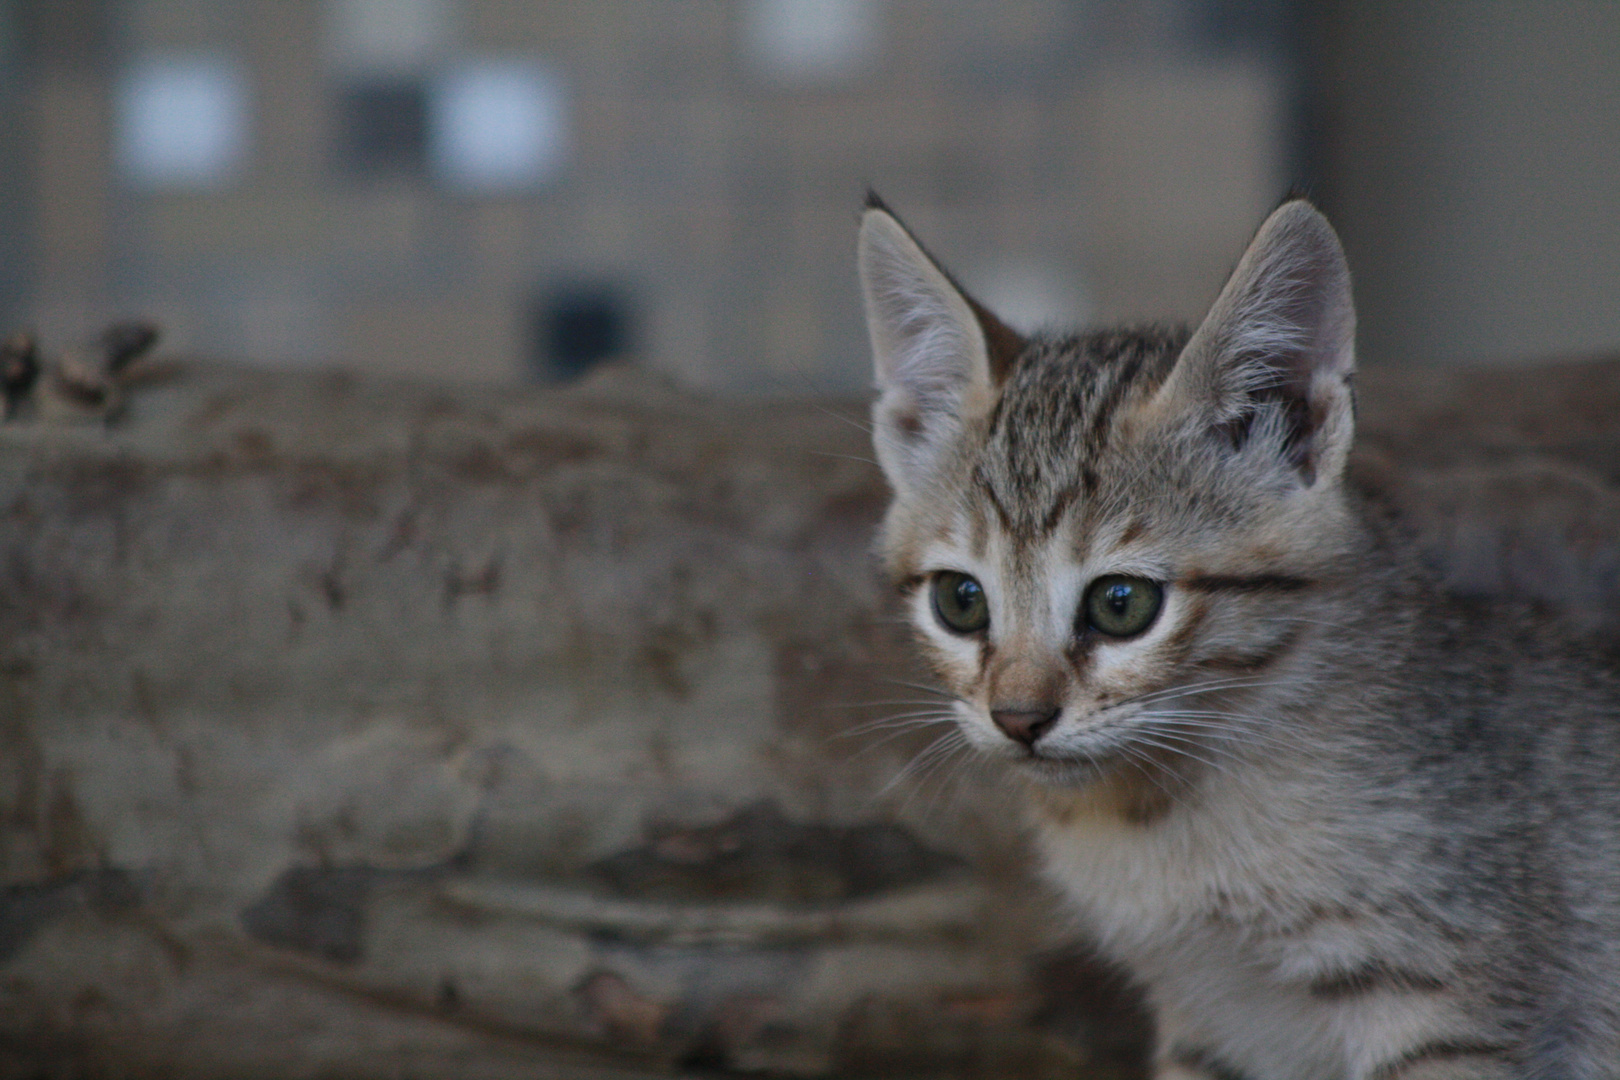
[
  {"x": 1071, "y": 773},
  {"x": 1109, "y": 787},
  {"x": 1071, "y": 769}
]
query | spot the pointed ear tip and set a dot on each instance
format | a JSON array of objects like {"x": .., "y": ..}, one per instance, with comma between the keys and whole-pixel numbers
[
  {"x": 872, "y": 212},
  {"x": 1297, "y": 230},
  {"x": 1299, "y": 215},
  {"x": 880, "y": 224},
  {"x": 881, "y": 228}
]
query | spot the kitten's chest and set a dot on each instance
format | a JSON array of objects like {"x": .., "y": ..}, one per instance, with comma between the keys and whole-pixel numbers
[
  {"x": 1196, "y": 920},
  {"x": 1232, "y": 922},
  {"x": 1199, "y": 877}
]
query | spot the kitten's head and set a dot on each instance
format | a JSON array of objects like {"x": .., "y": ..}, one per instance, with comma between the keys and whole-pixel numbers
[{"x": 1116, "y": 547}]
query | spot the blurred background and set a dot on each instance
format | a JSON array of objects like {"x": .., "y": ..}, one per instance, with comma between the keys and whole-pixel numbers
[
  {"x": 379, "y": 727},
  {"x": 495, "y": 190}
]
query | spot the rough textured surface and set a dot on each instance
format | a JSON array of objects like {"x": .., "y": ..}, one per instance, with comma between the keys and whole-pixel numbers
[{"x": 352, "y": 728}]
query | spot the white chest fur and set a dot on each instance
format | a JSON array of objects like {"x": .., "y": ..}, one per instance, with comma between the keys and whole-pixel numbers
[{"x": 1228, "y": 915}]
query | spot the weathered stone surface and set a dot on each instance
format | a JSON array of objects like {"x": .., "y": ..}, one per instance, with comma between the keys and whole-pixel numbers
[
  {"x": 1511, "y": 477},
  {"x": 352, "y": 728}
]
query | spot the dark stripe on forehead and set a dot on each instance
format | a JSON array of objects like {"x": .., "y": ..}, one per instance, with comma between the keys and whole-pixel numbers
[
  {"x": 1439, "y": 1051},
  {"x": 1122, "y": 378},
  {"x": 989, "y": 489},
  {"x": 1060, "y": 505},
  {"x": 978, "y": 529},
  {"x": 1373, "y": 978},
  {"x": 1050, "y": 427},
  {"x": 1250, "y": 583}
]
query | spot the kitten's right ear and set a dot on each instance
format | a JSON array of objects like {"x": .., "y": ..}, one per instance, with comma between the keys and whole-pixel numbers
[
  {"x": 1272, "y": 362},
  {"x": 938, "y": 355}
]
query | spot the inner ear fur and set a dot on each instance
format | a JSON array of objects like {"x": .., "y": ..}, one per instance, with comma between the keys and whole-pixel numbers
[{"x": 1275, "y": 356}]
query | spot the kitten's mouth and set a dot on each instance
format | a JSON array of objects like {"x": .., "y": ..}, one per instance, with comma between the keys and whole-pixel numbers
[
  {"x": 1105, "y": 750},
  {"x": 1069, "y": 769},
  {"x": 1100, "y": 748}
]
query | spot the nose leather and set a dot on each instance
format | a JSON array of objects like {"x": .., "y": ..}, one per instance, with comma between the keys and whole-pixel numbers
[{"x": 1024, "y": 725}]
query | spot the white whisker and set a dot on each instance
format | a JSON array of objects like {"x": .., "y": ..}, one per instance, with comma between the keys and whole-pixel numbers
[
  {"x": 903, "y": 722},
  {"x": 924, "y": 687},
  {"x": 835, "y": 414},
  {"x": 947, "y": 743},
  {"x": 882, "y": 704},
  {"x": 876, "y": 744},
  {"x": 1216, "y": 728},
  {"x": 842, "y": 457},
  {"x": 1190, "y": 689},
  {"x": 1139, "y": 740},
  {"x": 1150, "y": 769}
]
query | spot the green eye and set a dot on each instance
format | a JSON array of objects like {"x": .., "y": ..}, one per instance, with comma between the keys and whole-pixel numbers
[
  {"x": 959, "y": 602},
  {"x": 1122, "y": 606}
]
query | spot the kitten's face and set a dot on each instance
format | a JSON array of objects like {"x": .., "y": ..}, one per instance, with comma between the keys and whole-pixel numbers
[
  {"x": 1098, "y": 586},
  {"x": 1115, "y": 548}
]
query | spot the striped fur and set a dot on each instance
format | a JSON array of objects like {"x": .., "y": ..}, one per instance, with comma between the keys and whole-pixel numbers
[{"x": 1338, "y": 826}]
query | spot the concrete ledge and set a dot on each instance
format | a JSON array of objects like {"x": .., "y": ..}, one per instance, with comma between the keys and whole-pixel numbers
[{"x": 351, "y": 727}]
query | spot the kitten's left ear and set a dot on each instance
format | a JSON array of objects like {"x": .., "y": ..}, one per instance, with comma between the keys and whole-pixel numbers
[
  {"x": 1275, "y": 356},
  {"x": 939, "y": 356}
]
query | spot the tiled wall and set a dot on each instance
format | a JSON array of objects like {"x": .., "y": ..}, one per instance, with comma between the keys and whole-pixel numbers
[{"x": 1104, "y": 156}]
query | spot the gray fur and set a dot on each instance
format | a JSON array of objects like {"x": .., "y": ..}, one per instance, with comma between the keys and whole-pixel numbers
[{"x": 1339, "y": 826}]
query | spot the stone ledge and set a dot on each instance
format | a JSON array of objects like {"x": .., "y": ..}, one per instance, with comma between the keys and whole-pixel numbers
[{"x": 351, "y": 724}]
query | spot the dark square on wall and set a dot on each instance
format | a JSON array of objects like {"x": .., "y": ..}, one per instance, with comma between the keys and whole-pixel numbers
[{"x": 382, "y": 128}]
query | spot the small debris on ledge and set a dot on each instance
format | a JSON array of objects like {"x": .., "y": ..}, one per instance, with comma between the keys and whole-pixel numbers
[
  {"x": 19, "y": 370},
  {"x": 88, "y": 383}
]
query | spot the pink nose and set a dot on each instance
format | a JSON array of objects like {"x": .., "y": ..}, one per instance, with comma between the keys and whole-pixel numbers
[{"x": 1024, "y": 725}]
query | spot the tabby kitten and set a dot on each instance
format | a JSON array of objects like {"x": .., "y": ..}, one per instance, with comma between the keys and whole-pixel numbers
[{"x": 1337, "y": 825}]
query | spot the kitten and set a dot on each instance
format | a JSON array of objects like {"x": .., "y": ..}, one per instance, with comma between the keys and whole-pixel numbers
[{"x": 1338, "y": 826}]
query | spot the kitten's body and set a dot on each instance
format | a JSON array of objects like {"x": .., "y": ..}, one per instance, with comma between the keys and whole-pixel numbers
[{"x": 1337, "y": 825}]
